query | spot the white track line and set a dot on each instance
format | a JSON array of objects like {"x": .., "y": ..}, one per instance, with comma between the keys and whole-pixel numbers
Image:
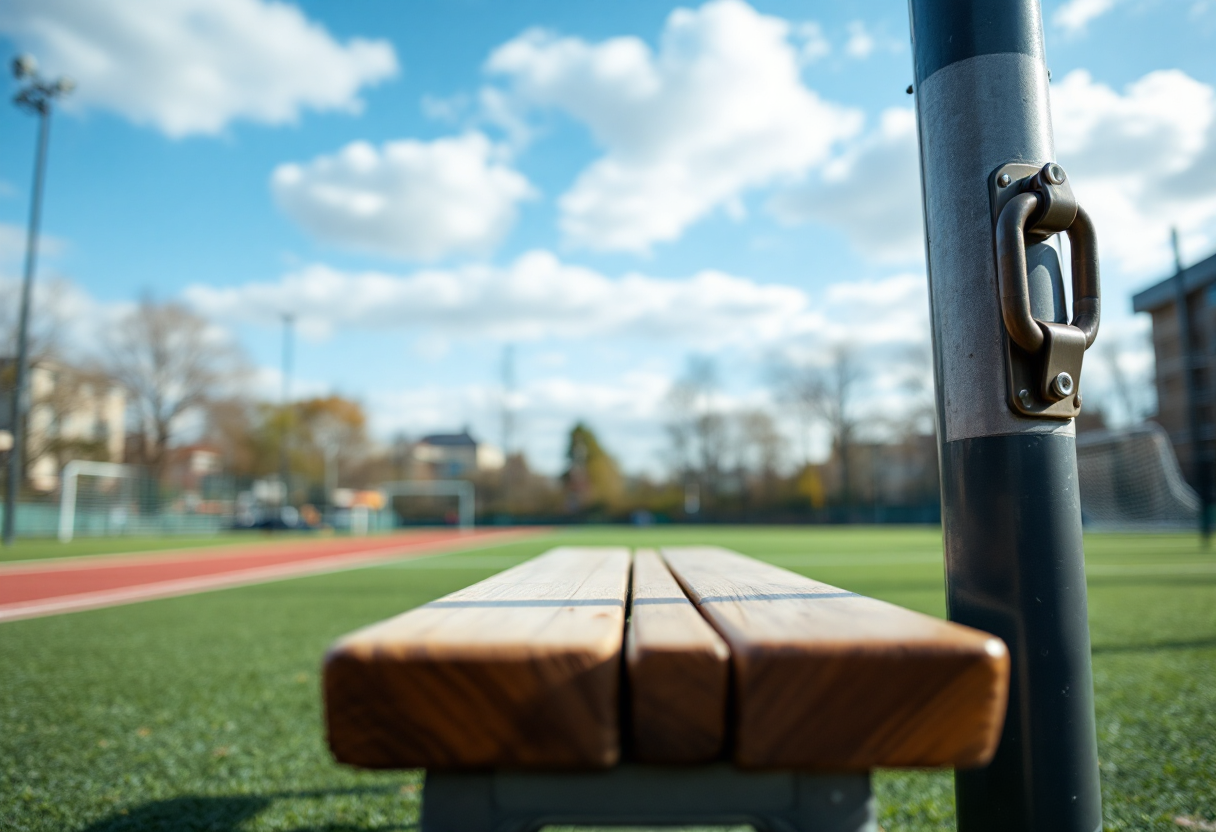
[{"x": 205, "y": 583}]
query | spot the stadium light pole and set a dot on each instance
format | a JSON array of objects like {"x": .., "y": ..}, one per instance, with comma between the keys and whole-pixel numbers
[
  {"x": 35, "y": 97},
  {"x": 284, "y": 459},
  {"x": 1010, "y": 506}
]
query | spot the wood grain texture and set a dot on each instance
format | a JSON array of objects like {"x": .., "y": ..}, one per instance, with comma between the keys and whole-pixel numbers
[
  {"x": 678, "y": 671},
  {"x": 519, "y": 671},
  {"x": 829, "y": 680}
]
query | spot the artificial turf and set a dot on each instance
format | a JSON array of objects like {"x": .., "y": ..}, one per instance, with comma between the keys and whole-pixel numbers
[
  {"x": 203, "y": 712},
  {"x": 45, "y": 548}
]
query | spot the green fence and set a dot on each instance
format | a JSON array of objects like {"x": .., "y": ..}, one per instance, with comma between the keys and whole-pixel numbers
[{"x": 42, "y": 520}]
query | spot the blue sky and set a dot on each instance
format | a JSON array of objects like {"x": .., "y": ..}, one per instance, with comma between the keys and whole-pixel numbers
[{"x": 612, "y": 188}]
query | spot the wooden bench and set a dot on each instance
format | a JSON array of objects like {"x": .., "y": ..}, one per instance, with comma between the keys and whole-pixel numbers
[{"x": 698, "y": 686}]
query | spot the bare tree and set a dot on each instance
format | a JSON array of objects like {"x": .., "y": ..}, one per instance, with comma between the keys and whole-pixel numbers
[
  {"x": 48, "y": 319},
  {"x": 761, "y": 448},
  {"x": 171, "y": 365},
  {"x": 697, "y": 428},
  {"x": 62, "y": 393},
  {"x": 829, "y": 392}
]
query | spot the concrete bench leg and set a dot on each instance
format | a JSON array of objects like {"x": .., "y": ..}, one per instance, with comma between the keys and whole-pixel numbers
[{"x": 634, "y": 795}]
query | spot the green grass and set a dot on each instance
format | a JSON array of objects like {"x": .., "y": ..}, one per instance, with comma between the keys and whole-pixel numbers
[
  {"x": 204, "y": 712},
  {"x": 43, "y": 548}
]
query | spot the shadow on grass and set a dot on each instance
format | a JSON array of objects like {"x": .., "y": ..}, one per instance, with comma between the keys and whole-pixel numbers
[
  {"x": 227, "y": 813},
  {"x": 1153, "y": 647}
]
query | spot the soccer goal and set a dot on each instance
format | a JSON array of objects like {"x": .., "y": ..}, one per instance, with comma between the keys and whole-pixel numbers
[
  {"x": 1130, "y": 479},
  {"x": 462, "y": 490},
  {"x": 98, "y": 498}
]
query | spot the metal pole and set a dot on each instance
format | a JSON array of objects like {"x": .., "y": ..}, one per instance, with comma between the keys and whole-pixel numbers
[
  {"x": 1010, "y": 506},
  {"x": 20, "y": 402},
  {"x": 1200, "y": 467},
  {"x": 288, "y": 420}
]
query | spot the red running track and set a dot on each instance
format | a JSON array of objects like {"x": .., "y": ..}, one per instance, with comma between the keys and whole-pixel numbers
[{"x": 39, "y": 588}]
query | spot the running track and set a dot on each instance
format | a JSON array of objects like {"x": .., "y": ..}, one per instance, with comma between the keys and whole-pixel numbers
[{"x": 37, "y": 588}]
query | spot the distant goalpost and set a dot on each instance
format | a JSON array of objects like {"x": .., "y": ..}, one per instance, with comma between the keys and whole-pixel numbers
[
  {"x": 1130, "y": 479},
  {"x": 111, "y": 498},
  {"x": 462, "y": 490}
]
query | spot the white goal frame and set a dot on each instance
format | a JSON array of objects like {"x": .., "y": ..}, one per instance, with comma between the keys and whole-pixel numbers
[
  {"x": 462, "y": 490},
  {"x": 67, "y": 499}
]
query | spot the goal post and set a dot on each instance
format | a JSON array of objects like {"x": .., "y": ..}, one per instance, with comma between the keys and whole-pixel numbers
[
  {"x": 462, "y": 490},
  {"x": 70, "y": 482},
  {"x": 1130, "y": 479}
]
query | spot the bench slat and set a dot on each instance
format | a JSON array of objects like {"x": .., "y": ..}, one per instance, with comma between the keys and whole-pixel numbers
[
  {"x": 830, "y": 680},
  {"x": 520, "y": 670},
  {"x": 678, "y": 671}
]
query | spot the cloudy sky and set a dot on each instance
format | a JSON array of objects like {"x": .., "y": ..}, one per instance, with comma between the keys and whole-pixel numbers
[{"x": 611, "y": 188}]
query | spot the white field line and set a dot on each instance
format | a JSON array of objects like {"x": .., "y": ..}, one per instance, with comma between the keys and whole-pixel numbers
[{"x": 242, "y": 577}]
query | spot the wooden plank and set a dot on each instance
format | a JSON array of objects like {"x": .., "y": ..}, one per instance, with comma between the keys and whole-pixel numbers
[
  {"x": 679, "y": 670},
  {"x": 521, "y": 670},
  {"x": 830, "y": 680}
]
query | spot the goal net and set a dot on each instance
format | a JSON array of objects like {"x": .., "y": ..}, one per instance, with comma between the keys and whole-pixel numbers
[
  {"x": 1130, "y": 479},
  {"x": 108, "y": 498}
]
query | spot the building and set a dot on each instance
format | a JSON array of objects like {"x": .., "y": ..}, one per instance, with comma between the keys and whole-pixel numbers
[
  {"x": 1198, "y": 285},
  {"x": 454, "y": 456},
  {"x": 73, "y": 415}
]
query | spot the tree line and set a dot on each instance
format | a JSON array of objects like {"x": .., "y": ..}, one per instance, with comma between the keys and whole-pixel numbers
[{"x": 187, "y": 386}]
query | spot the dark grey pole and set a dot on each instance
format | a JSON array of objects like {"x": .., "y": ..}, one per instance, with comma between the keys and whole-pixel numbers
[
  {"x": 1201, "y": 469},
  {"x": 1010, "y": 506},
  {"x": 16, "y": 455},
  {"x": 288, "y": 414}
]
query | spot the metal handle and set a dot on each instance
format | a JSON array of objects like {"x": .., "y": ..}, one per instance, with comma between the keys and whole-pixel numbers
[{"x": 1045, "y": 208}]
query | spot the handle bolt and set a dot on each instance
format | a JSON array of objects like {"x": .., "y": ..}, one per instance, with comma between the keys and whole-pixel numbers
[{"x": 1061, "y": 385}]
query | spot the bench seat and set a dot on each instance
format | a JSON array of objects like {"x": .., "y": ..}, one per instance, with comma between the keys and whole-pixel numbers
[
  {"x": 723, "y": 657},
  {"x": 521, "y": 670}
]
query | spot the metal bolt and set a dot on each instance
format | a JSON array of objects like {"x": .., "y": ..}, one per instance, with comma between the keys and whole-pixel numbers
[
  {"x": 1024, "y": 397},
  {"x": 1004, "y": 180},
  {"x": 1055, "y": 174},
  {"x": 1078, "y": 399},
  {"x": 909, "y": 89},
  {"x": 1061, "y": 385}
]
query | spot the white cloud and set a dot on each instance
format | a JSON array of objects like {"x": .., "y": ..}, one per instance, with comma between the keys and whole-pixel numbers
[
  {"x": 1141, "y": 162},
  {"x": 410, "y": 199},
  {"x": 13, "y": 241},
  {"x": 449, "y": 110},
  {"x": 719, "y": 109},
  {"x": 193, "y": 66},
  {"x": 815, "y": 44},
  {"x": 1075, "y": 15},
  {"x": 626, "y": 412},
  {"x": 871, "y": 192},
  {"x": 535, "y": 297},
  {"x": 860, "y": 43}
]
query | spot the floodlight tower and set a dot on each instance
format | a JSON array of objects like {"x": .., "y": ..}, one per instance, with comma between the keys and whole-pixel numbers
[
  {"x": 288, "y": 419},
  {"x": 35, "y": 96},
  {"x": 1007, "y": 365}
]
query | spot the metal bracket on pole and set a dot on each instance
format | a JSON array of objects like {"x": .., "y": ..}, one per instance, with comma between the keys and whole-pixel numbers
[{"x": 1042, "y": 358}]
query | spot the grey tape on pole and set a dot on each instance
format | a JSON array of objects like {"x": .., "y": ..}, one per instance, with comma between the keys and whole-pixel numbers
[{"x": 959, "y": 151}]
